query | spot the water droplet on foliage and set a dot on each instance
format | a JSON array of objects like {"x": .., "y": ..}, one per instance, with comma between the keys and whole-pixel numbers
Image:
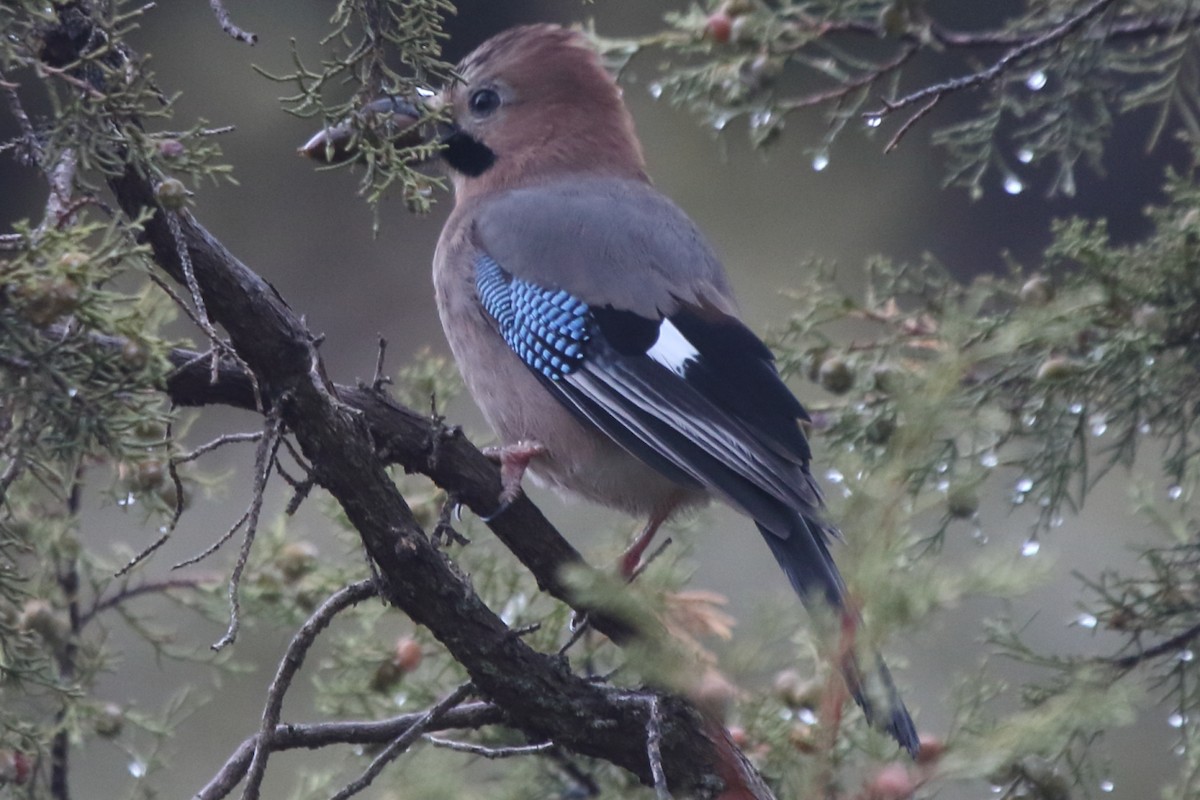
[
  {"x": 820, "y": 162},
  {"x": 1144, "y": 429},
  {"x": 1024, "y": 155},
  {"x": 1075, "y": 408},
  {"x": 1107, "y": 786},
  {"x": 874, "y": 121},
  {"x": 1024, "y": 484},
  {"x": 655, "y": 89},
  {"x": 1186, "y": 656},
  {"x": 72, "y": 392},
  {"x": 1013, "y": 185},
  {"x": 943, "y": 486},
  {"x": 834, "y": 476},
  {"x": 1099, "y": 424},
  {"x": 1176, "y": 720},
  {"x": 1056, "y": 521},
  {"x": 761, "y": 119},
  {"x": 989, "y": 459},
  {"x": 1031, "y": 548},
  {"x": 1149, "y": 361},
  {"x": 136, "y": 768},
  {"x": 1086, "y": 621},
  {"x": 806, "y": 716},
  {"x": 1036, "y": 81},
  {"x": 1175, "y": 492},
  {"x": 720, "y": 121}
]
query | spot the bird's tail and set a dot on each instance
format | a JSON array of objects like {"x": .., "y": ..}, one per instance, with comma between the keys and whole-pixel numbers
[{"x": 806, "y": 561}]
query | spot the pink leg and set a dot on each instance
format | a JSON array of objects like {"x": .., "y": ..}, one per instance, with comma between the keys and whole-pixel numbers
[
  {"x": 514, "y": 460},
  {"x": 632, "y": 557}
]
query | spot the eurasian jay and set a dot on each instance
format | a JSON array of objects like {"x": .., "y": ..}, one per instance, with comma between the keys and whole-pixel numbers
[{"x": 597, "y": 331}]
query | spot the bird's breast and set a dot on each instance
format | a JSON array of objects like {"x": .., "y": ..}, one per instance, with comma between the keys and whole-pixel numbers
[{"x": 579, "y": 460}]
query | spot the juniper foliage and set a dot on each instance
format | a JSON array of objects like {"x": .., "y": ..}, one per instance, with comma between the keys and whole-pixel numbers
[{"x": 1046, "y": 380}]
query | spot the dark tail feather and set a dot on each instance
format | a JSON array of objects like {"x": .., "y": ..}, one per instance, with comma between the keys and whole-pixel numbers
[{"x": 806, "y": 561}]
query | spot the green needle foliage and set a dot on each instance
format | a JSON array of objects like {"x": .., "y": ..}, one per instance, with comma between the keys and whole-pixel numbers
[{"x": 1032, "y": 386}]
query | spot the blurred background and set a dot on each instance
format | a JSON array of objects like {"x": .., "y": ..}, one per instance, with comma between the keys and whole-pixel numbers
[{"x": 306, "y": 232}]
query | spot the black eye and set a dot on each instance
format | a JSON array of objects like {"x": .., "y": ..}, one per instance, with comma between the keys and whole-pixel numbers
[{"x": 484, "y": 102}]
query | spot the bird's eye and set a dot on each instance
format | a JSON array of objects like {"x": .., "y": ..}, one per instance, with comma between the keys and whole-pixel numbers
[{"x": 484, "y": 102}]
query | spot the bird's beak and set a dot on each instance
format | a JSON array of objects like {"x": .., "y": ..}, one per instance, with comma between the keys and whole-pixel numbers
[{"x": 393, "y": 119}]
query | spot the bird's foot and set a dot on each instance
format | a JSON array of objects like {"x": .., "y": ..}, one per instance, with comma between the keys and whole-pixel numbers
[
  {"x": 630, "y": 561},
  {"x": 513, "y": 460}
]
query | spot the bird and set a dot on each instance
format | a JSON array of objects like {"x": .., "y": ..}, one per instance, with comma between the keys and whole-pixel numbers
[{"x": 597, "y": 331}]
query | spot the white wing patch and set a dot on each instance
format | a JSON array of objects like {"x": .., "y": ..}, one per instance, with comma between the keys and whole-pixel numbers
[{"x": 672, "y": 349}]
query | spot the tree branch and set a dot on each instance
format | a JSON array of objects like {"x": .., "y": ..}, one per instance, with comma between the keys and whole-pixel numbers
[
  {"x": 539, "y": 692},
  {"x": 326, "y": 734},
  {"x": 292, "y": 660},
  {"x": 934, "y": 93}
]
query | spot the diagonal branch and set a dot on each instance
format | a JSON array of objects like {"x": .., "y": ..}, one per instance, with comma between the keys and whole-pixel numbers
[{"x": 539, "y": 692}]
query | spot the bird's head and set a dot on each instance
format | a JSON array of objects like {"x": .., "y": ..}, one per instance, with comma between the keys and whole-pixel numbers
[
  {"x": 533, "y": 103},
  {"x": 530, "y": 104}
]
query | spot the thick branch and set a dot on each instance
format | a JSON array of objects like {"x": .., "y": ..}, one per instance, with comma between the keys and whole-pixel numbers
[
  {"x": 538, "y": 692},
  {"x": 421, "y": 445}
]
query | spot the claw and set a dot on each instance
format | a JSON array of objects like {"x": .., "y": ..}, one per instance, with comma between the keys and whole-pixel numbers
[{"x": 514, "y": 460}]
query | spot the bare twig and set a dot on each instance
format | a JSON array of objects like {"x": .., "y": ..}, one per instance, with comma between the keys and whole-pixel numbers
[
  {"x": 164, "y": 536},
  {"x": 301, "y": 488},
  {"x": 222, "y": 14},
  {"x": 938, "y": 91},
  {"x": 220, "y": 441},
  {"x": 913, "y": 119},
  {"x": 292, "y": 736},
  {"x": 291, "y": 662},
  {"x": 380, "y": 380},
  {"x": 203, "y": 554},
  {"x": 403, "y": 742},
  {"x": 264, "y": 457},
  {"x": 843, "y": 89},
  {"x": 1172, "y": 645},
  {"x": 488, "y": 752},
  {"x": 200, "y": 317},
  {"x": 150, "y": 587}
]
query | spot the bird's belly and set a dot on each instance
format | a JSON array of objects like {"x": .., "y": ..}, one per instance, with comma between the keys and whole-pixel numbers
[{"x": 579, "y": 459}]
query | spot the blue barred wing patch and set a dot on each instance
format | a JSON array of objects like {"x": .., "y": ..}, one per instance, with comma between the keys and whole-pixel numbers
[{"x": 546, "y": 328}]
